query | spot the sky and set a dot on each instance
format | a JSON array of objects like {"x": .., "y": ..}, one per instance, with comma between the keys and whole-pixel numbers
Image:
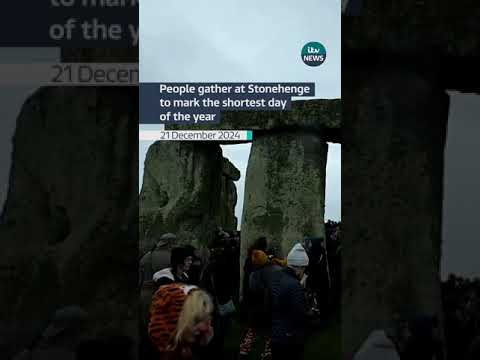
[
  {"x": 244, "y": 41},
  {"x": 461, "y": 202},
  {"x": 240, "y": 41}
]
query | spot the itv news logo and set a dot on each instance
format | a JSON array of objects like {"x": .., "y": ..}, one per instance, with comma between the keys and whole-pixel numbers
[{"x": 314, "y": 54}]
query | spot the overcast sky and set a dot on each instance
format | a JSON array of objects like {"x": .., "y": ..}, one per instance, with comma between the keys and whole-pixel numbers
[
  {"x": 244, "y": 41},
  {"x": 461, "y": 204},
  {"x": 239, "y": 40}
]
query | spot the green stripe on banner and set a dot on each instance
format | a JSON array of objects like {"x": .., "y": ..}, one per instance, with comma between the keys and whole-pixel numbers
[{"x": 249, "y": 135}]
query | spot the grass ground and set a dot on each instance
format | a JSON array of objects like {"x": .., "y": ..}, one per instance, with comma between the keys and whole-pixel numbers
[{"x": 323, "y": 344}]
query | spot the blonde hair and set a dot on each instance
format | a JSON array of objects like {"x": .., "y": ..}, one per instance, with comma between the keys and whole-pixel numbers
[{"x": 197, "y": 307}]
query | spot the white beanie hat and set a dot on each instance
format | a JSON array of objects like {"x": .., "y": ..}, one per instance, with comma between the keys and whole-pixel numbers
[{"x": 297, "y": 256}]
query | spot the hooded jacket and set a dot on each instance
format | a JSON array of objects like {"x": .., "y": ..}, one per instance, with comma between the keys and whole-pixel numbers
[
  {"x": 260, "y": 282},
  {"x": 166, "y": 276},
  {"x": 152, "y": 262}
]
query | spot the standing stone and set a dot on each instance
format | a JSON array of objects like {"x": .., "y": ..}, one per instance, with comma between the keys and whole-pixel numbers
[
  {"x": 313, "y": 115},
  {"x": 182, "y": 193},
  {"x": 228, "y": 198},
  {"x": 284, "y": 189},
  {"x": 69, "y": 227},
  {"x": 392, "y": 172}
]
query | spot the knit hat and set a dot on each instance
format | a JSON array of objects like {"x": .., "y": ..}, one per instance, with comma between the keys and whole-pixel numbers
[
  {"x": 166, "y": 239},
  {"x": 297, "y": 256},
  {"x": 165, "y": 310}
]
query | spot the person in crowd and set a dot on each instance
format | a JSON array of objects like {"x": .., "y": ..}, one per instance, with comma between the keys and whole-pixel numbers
[
  {"x": 289, "y": 308},
  {"x": 156, "y": 259},
  {"x": 118, "y": 347},
  {"x": 60, "y": 339},
  {"x": 259, "y": 244},
  {"x": 221, "y": 234},
  {"x": 474, "y": 349},
  {"x": 377, "y": 346},
  {"x": 180, "y": 262},
  {"x": 194, "y": 273},
  {"x": 259, "y": 308},
  {"x": 318, "y": 272},
  {"x": 413, "y": 339},
  {"x": 335, "y": 265},
  {"x": 385, "y": 344},
  {"x": 180, "y": 321},
  {"x": 235, "y": 237},
  {"x": 231, "y": 250},
  {"x": 218, "y": 280},
  {"x": 423, "y": 342}
]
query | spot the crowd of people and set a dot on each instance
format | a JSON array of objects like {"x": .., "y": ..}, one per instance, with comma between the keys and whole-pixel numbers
[
  {"x": 415, "y": 337},
  {"x": 461, "y": 304},
  {"x": 190, "y": 299},
  {"x": 418, "y": 337},
  {"x": 187, "y": 309}
]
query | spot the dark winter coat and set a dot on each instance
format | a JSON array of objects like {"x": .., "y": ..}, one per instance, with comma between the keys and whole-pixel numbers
[
  {"x": 218, "y": 281},
  {"x": 247, "y": 270},
  {"x": 152, "y": 262},
  {"x": 289, "y": 308},
  {"x": 260, "y": 288}
]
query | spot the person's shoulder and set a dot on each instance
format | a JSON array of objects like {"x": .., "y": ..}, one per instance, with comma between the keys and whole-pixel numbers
[
  {"x": 273, "y": 268},
  {"x": 377, "y": 346},
  {"x": 161, "y": 254},
  {"x": 291, "y": 282},
  {"x": 283, "y": 279},
  {"x": 163, "y": 274},
  {"x": 282, "y": 274},
  {"x": 277, "y": 272},
  {"x": 145, "y": 257},
  {"x": 23, "y": 355}
]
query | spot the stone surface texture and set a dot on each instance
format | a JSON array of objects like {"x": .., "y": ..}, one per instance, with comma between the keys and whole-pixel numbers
[
  {"x": 392, "y": 187},
  {"x": 188, "y": 189},
  {"x": 69, "y": 225},
  {"x": 284, "y": 190}
]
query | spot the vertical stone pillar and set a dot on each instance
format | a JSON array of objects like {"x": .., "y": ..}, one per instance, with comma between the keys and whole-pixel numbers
[
  {"x": 69, "y": 225},
  {"x": 284, "y": 189},
  {"x": 188, "y": 190},
  {"x": 228, "y": 198},
  {"x": 180, "y": 192},
  {"x": 394, "y": 130}
]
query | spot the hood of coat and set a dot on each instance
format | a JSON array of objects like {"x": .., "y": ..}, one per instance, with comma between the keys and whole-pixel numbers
[{"x": 164, "y": 273}]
